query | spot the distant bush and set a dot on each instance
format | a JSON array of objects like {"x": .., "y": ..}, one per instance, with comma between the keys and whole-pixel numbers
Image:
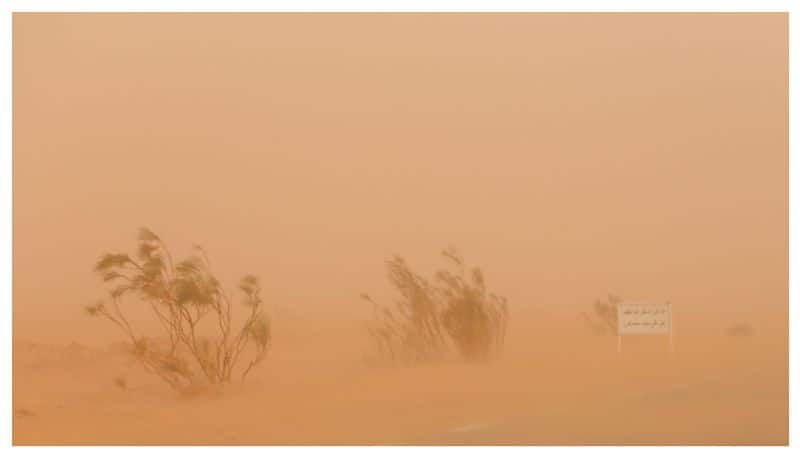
[
  {"x": 181, "y": 296},
  {"x": 454, "y": 310},
  {"x": 121, "y": 381},
  {"x": 603, "y": 319},
  {"x": 741, "y": 330}
]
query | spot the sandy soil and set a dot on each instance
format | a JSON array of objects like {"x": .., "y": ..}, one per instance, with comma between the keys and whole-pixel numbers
[{"x": 556, "y": 384}]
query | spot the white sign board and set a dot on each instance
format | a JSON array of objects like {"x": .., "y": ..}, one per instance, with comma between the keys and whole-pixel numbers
[{"x": 636, "y": 318}]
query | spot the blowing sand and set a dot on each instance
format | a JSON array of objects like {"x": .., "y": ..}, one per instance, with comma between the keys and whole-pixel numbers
[
  {"x": 557, "y": 383},
  {"x": 567, "y": 155}
]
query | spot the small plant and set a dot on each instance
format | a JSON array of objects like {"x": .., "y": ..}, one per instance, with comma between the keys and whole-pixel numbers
[
  {"x": 185, "y": 298},
  {"x": 741, "y": 330},
  {"x": 455, "y": 310},
  {"x": 605, "y": 315},
  {"x": 121, "y": 381},
  {"x": 23, "y": 412}
]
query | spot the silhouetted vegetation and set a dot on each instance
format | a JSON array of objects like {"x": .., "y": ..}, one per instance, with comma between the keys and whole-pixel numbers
[
  {"x": 121, "y": 382},
  {"x": 454, "y": 310},
  {"x": 741, "y": 330},
  {"x": 603, "y": 320},
  {"x": 181, "y": 297},
  {"x": 23, "y": 412}
]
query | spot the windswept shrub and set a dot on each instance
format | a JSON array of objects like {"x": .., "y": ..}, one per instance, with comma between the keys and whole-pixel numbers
[
  {"x": 411, "y": 331},
  {"x": 455, "y": 310},
  {"x": 182, "y": 297},
  {"x": 121, "y": 381},
  {"x": 740, "y": 330},
  {"x": 604, "y": 319}
]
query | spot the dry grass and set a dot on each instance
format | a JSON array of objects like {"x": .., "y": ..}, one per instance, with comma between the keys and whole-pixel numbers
[{"x": 453, "y": 311}]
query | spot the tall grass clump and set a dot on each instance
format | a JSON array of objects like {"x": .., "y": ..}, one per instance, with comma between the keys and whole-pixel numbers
[
  {"x": 201, "y": 343},
  {"x": 452, "y": 311}
]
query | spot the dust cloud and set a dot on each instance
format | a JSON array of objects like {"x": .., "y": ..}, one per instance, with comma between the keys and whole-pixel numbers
[{"x": 568, "y": 155}]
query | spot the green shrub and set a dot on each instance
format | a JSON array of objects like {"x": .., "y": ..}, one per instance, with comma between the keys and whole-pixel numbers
[{"x": 181, "y": 297}]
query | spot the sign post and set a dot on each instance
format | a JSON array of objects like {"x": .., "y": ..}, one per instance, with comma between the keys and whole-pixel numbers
[
  {"x": 644, "y": 319},
  {"x": 671, "y": 331}
]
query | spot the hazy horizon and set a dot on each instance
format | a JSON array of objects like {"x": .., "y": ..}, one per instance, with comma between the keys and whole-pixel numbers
[{"x": 567, "y": 155}]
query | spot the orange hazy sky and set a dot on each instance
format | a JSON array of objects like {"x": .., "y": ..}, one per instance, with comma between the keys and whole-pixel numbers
[{"x": 569, "y": 155}]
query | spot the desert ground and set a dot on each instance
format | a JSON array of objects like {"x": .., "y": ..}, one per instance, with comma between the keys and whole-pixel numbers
[{"x": 557, "y": 383}]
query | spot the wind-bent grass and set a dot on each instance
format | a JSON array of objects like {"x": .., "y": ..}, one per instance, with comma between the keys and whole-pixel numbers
[{"x": 454, "y": 311}]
